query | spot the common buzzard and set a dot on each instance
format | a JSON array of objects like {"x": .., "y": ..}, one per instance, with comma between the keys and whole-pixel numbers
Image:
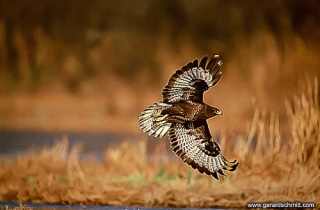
[{"x": 183, "y": 114}]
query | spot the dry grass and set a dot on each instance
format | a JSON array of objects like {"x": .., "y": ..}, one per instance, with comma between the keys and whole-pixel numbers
[
  {"x": 21, "y": 207},
  {"x": 274, "y": 166}
]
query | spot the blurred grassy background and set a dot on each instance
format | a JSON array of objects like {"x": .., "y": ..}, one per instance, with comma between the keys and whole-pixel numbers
[
  {"x": 93, "y": 66},
  {"x": 78, "y": 65}
]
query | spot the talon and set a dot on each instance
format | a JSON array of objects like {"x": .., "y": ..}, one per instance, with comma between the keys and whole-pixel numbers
[
  {"x": 160, "y": 118},
  {"x": 159, "y": 123}
]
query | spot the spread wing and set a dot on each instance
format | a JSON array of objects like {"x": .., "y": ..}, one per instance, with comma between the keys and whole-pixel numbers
[
  {"x": 189, "y": 83},
  {"x": 194, "y": 145}
]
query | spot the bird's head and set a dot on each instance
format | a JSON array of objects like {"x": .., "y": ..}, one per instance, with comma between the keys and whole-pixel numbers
[{"x": 212, "y": 111}]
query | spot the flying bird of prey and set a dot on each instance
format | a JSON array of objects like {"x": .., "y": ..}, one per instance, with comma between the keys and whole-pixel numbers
[{"x": 183, "y": 114}]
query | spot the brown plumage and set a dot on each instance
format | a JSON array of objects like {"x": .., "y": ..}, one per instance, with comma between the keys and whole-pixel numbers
[{"x": 183, "y": 114}]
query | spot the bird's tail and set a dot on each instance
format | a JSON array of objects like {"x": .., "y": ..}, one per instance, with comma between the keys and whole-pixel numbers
[{"x": 152, "y": 122}]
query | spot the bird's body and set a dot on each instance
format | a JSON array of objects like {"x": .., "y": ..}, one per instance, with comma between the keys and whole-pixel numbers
[
  {"x": 183, "y": 114},
  {"x": 188, "y": 112}
]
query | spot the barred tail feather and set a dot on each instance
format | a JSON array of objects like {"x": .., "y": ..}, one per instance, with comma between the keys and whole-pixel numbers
[{"x": 152, "y": 122}]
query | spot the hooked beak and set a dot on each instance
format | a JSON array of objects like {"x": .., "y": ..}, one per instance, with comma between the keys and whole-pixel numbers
[{"x": 219, "y": 112}]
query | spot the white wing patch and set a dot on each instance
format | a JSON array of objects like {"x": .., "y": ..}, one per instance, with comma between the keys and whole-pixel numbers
[
  {"x": 181, "y": 85},
  {"x": 189, "y": 148}
]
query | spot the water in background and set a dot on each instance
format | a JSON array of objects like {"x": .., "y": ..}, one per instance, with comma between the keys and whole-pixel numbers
[
  {"x": 93, "y": 144},
  {"x": 13, "y": 142}
]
